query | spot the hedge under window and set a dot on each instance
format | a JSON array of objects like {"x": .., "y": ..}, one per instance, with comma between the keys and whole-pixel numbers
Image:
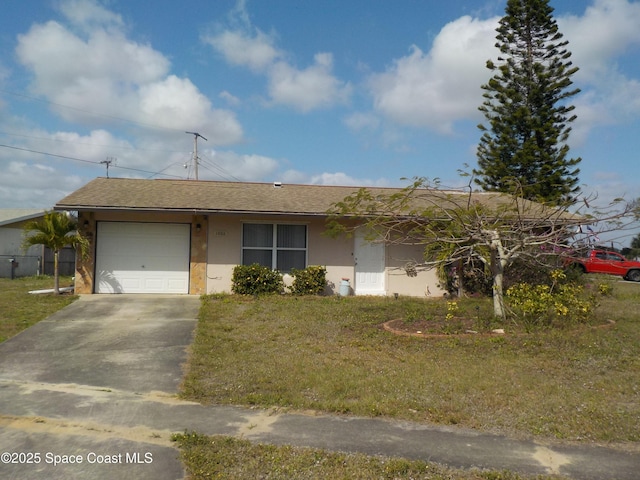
[{"x": 280, "y": 247}]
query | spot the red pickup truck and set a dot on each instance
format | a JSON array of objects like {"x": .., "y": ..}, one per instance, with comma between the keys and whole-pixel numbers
[{"x": 603, "y": 261}]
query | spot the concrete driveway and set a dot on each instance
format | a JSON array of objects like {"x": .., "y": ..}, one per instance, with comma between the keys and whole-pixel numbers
[{"x": 98, "y": 350}]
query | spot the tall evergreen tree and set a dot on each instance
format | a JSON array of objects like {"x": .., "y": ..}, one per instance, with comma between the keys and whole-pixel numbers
[{"x": 525, "y": 106}]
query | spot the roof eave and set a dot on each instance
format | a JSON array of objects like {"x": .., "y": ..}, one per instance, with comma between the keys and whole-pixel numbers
[
  {"x": 21, "y": 219},
  {"x": 194, "y": 210}
]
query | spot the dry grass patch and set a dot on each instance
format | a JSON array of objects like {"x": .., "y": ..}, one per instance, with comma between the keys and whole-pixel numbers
[{"x": 230, "y": 458}]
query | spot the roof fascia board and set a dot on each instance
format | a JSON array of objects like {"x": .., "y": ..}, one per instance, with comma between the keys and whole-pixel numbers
[{"x": 198, "y": 211}]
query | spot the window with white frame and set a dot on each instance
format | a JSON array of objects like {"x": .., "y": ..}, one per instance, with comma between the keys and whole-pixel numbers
[{"x": 277, "y": 246}]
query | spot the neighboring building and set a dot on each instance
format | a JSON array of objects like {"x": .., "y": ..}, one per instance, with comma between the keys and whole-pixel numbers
[
  {"x": 14, "y": 262},
  {"x": 36, "y": 260},
  {"x": 186, "y": 236}
]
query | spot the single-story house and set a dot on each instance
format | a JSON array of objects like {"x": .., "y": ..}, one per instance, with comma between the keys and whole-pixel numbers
[
  {"x": 186, "y": 237},
  {"x": 36, "y": 260}
]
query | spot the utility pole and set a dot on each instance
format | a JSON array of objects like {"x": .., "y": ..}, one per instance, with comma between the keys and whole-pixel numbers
[{"x": 195, "y": 149}]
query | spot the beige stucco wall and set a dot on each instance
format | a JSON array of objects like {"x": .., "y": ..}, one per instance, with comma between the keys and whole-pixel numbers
[
  {"x": 216, "y": 250},
  {"x": 336, "y": 254},
  {"x": 424, "y": 284},
  {"x": 225, "y": 237}
]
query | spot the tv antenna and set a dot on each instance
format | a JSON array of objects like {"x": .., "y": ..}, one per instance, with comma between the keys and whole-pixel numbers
[
  {"x": 195, "y": 149},
  {"x": 108, "y": 163}
]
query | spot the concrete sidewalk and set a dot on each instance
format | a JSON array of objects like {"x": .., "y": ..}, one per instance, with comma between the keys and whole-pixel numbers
[
  {"x": 79, "y": 420},
  {"x": 119, "y": 424}
]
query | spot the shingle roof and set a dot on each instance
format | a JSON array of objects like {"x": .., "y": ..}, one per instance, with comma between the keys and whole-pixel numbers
[
  {"x": 227, "y": 197},
  {"x": 11, "y": 216}
]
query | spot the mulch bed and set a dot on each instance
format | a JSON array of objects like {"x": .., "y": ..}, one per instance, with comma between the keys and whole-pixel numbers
[
  {"x": 437, "y": 328},
  {"x": 455, "y": 327}
]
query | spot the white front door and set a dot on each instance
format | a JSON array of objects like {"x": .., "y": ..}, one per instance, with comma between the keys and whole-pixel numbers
[{"x": 370, "y": 266}]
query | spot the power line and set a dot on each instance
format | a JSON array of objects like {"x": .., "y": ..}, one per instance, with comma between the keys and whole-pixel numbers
[
  {"x": 222, "y": 171},
  {"x": 87, "y": 161},
  {"x": 183, "y": 164},
  {"x": 216, "y": 172}
]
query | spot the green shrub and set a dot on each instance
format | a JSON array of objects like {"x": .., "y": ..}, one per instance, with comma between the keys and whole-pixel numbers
[
  {"x": 255, "y": 280},
  {"x": 556, "y": 304},
  {"x": 475, "y": 278},
  {"x": 310, "y": 281},
  {"x": 522, "y": 271}
]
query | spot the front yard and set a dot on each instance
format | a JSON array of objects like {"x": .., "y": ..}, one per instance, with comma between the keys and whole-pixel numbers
[{"x": 331, "y": 354}]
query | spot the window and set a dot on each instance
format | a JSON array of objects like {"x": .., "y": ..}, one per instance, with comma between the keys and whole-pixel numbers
[
  {"x": 615, "y": 257},
  {"x": 281, "y": 247}
]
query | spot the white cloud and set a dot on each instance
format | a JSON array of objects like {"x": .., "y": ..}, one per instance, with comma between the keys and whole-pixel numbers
[
  {"x": 607, "y": 30},
  {"x": 34, "y": 185},
  {"x": 229, "y": 98},
  {"x": 63, "y": 62},
  {"x": 309, "y": 89},
  {"x": 89, "y": 147},
  {"x": 330, "y": 178},
  {"x": 105, "y": 72},
  {"x": 437, "y": 88},
  {"x": 304, "y": 90},
  {"x": 229, "y": 165},
  {"x": 87, "y": 14},
  {"x": 337, "y": 178},
  {"x": 255, "y": 52},
  {"x": 176, "y": 103}
]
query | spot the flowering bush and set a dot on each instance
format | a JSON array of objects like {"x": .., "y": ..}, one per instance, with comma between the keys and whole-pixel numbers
[
  {"x": 255, "y": 280},
  {"x": 605, "y": 289},
  {"x": 310, "y": 281},
  {"x": 544, "y": 305},
  {"x": 452, "y": 308}
]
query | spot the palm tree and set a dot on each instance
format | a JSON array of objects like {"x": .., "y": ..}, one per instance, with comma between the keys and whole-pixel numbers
[{"x": 56, "y": 230}]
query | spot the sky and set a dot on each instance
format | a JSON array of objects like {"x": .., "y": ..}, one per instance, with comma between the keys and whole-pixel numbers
[{"x": 332, "y": 92}]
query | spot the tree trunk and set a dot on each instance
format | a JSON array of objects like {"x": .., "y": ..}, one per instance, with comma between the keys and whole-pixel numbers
[
  {"x": 497, "y": 271},
  {"x": 56, "y": 275},
  {"x": 498, "y": 294}
]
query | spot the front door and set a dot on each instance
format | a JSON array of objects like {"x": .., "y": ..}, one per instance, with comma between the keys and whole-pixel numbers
[{"x": 370, "y": 266}]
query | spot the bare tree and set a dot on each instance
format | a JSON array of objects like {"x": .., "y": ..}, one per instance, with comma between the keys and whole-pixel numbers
[{"x": 461, "y": 225}]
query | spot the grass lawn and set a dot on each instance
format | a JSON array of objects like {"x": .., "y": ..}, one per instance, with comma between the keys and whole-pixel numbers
[
  {"x": 234, "y": 459},
  {"x": 19, "y": 309},
  {"x": 330, "y": 354}
]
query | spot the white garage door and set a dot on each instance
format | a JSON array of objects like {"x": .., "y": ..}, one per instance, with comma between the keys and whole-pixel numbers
[{"x": 142, "y": 258}]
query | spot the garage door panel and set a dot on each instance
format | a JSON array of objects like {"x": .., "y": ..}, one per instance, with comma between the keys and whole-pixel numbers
[
  {"x": 155, "y": 285},
  {"x": 130, "y": 284},
  {"x": 142, "y": 258}
]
